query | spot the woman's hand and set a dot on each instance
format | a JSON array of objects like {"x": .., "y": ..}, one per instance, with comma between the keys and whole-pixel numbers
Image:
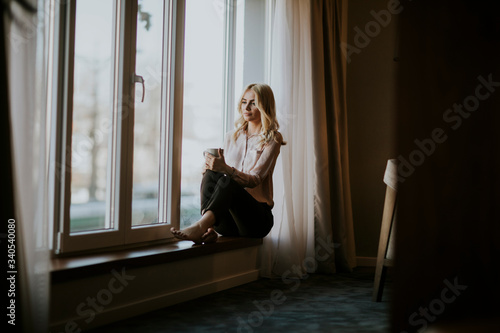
[{"x": 217, "y": 164}]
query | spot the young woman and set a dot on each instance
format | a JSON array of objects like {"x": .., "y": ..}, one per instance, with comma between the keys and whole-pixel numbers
[{"x": 237, "y": 186}]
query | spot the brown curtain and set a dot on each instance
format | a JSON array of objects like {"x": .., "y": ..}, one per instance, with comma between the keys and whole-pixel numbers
[
  {"x": 447, "y": 247},
  {"x": 333, "y": 212}
]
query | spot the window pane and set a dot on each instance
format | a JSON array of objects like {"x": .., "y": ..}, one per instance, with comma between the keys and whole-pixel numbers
[
  {"x": 202, "y": 120},
  {"x": 91, "y": 115},
  {"x": 148, "y": 113}
]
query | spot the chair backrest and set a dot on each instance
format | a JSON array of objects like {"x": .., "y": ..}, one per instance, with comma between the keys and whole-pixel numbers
[
  {"x": 391, "y": 179},
  {"x": 391, "y": 174}
]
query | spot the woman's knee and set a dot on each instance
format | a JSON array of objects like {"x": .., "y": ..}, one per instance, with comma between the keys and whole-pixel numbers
[
  {"x": 211, "y": 176},
  {"x": 224, "y": 182},
  {"x": 209, "y": 183}
]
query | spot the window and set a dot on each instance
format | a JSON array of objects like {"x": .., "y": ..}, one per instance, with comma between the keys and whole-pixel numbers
[
  {"x": 236, "y": 32},
  {"x": 139, "y": 89},
  {"x": 121, "y": 115}
]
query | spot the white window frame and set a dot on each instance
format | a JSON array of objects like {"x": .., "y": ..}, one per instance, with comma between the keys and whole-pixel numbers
[
  {"x": 61, "y": 78},
  {"x": 228, "y": 79}
]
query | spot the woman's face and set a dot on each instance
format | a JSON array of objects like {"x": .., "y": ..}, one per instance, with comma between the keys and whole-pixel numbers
[{"x": 249, "y": 108}]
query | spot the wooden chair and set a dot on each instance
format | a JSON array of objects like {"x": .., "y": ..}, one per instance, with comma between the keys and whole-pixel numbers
[{"x": 387, "y": 231}]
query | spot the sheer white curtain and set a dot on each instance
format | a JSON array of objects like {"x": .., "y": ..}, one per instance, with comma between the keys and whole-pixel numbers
[
  {"x": 313, "y": 216},
  {"x": 29, "y": 141},
  {"x": 289, "y": 248}
]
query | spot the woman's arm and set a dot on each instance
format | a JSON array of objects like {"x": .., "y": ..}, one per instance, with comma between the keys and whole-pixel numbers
[{"x": 261, "y": 169}]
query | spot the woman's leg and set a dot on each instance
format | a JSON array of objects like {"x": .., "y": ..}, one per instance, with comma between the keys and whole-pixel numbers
[
  {"x": 214, "y": 193},
  {"x": 236, "y": 212},
  {"x": 252, "y": 218},
  {"x": 230, "y": 209},
  {"x": 202, "y": 230}
]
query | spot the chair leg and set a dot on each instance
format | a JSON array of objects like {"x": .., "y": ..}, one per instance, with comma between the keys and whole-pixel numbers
[
  {"x": 385, "y": 231},
  {"x": 378, "y": 287}
]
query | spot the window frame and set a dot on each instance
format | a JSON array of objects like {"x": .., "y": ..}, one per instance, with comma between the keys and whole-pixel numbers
[
  {"x": 62, "y": 44},
  {"x": 228, "y": 79}
]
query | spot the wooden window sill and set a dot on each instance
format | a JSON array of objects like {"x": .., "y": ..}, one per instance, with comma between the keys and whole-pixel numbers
[{"x": 64, "y": 269}]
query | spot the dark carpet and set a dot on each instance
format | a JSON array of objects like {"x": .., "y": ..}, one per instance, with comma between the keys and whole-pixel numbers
[{"x": 320, "y": 303}]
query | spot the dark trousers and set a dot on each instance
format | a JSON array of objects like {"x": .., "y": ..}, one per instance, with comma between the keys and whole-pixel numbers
[{"x": 236, "y": 212}]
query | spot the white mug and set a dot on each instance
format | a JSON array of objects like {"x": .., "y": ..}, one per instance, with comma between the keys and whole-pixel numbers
[{"x": 213, "y": 151}]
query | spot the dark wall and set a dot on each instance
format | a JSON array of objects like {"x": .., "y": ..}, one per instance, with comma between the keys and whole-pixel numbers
[
  {"x": 448, "y": 240},
  {"x": 371, "y": 110}
]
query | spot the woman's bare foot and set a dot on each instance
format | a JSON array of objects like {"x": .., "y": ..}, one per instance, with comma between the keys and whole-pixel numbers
[
  {"x": 196, "y": 231},
  {"x": 192, "y": 233},
  {"x": 210, "y": 236}
]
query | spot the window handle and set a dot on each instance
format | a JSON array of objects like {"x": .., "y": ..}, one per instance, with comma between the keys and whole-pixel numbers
[{"x": 140, "y": 79}]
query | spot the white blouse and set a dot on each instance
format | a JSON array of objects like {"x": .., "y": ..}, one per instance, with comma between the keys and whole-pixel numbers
[{"x": 254, "y": 165}]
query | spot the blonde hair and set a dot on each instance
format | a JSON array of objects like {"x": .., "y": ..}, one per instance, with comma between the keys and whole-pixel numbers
[{"x": 264, "y": 100}]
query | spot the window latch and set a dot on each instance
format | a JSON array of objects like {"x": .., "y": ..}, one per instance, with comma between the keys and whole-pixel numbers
[{"x": 140, "y": 79}]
